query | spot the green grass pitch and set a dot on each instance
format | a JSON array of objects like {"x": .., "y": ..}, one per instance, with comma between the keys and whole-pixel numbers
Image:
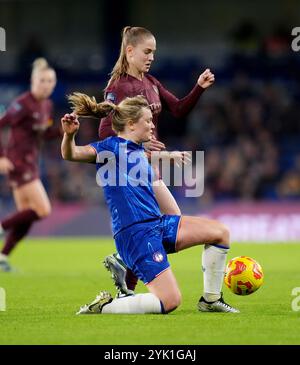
[{"x": 56, "y": 276}]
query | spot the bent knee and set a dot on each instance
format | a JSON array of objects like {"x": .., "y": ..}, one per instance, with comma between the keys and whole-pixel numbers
[
  {"x": 224, "y": 235},
  {"x": 172, "y": 302}
]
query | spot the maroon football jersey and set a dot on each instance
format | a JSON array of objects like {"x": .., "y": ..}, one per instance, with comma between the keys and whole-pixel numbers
[
  {"x": 154, "y": 92},
  {"x": 30, "y": 122}
]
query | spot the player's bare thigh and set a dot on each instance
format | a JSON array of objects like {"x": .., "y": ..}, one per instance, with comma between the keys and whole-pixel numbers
[
  {"x": 165, "y": 287},
  {"x": 167, "y": 203},
  {"x": 33, "y": 196},
  {"x": 194, "y": 231}
]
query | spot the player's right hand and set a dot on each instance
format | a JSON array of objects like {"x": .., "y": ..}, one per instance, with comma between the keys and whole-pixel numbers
[
  {"x": 5, "y": 165},
  {"x": 70, "y": 124},
  {"x": 154, "y": 145}
]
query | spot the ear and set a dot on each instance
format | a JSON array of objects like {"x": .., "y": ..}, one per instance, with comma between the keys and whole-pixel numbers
[
  {"x": 129, "y": 50},
  {"x": 131, "y": 125}
]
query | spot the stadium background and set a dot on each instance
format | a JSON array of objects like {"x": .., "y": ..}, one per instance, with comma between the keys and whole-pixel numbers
[{"x": 247, "y": 123}]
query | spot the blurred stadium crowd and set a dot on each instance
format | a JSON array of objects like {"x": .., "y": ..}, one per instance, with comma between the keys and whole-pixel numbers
[{"x": 247, "y": 123}]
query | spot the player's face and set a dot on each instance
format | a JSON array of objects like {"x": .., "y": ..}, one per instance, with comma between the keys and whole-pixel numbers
[
  {"x": 43, "y": 83},
  {"x": 141, "y": 56},
  {"x": 143, "y": 129}
]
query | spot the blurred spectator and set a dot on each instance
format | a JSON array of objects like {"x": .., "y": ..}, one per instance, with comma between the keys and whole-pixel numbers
[
  {"x": 289, "y": 186},
  {"x": 246, "y": 152}
]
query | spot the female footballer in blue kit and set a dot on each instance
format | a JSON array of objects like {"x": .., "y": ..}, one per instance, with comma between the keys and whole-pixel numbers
[
  {"x": 143, "y": 236},
  {"x": 130, "y": 77}
]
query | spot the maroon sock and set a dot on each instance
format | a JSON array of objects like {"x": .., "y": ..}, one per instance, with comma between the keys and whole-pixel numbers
[
  {"x": 14, "y": 236},
  {"x": 23, "y": 217},
  {"x": 131, "y": 279}
]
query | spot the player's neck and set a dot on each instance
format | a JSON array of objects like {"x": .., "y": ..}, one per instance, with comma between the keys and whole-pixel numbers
[
  {"x": 128, "y": 137},
  {"x": 132, "y": 71}
]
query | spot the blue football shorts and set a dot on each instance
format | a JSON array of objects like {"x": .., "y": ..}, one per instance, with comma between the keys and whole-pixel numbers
[{"x": 144, "y": 246}]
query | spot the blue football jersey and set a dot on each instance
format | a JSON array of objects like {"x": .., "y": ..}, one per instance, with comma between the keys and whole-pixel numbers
[{"x": 126, "y": 176}]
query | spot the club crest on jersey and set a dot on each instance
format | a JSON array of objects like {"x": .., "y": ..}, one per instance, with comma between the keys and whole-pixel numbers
[
  {"x": 158, "y": 256},
  {"x": 155, "y": 89},
  {"x": 111, "y": 97}
]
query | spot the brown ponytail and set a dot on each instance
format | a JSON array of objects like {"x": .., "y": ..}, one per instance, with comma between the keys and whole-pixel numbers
[
  {"x": 85, "y": 106},
  {"x": 128, "y": 109}
]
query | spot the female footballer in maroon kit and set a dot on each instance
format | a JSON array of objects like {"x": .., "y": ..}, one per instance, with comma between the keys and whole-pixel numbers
[
  {"x": 30, "y": 120},
  {"x": 130, "y": 78}
]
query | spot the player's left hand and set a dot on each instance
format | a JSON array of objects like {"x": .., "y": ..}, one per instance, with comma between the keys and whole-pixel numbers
[
  {"x": 154, "y": 145},
  {"x": 206, "y": 79},
  {"x": 180, "y": 157}
]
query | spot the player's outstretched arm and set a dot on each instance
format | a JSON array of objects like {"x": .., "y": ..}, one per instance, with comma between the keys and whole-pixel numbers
[
  {"x": 181, "y": 107},
  {"x": 69, "y": 150}
]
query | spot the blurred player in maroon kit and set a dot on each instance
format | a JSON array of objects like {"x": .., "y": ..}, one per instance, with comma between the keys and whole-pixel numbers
[
  {"x": 29, "y": 118},
  {"x": 130, "y": 78}
]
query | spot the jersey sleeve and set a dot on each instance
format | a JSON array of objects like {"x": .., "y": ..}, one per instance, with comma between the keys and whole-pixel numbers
[
  {"x": 95, "y": 146},
  {"x": 14, "y": 114},
  {"x": 115, "y": 95},
  {"x": 104, "y": 151},
  {"x": 179, "y": 107},
  {"x": 101, "y": 146}
]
